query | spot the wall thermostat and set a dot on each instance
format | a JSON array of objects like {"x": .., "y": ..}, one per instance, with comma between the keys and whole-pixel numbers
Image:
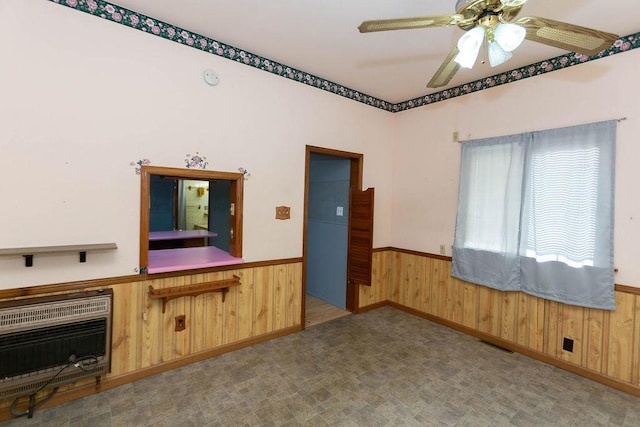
[{"x": 211, "y": 77}]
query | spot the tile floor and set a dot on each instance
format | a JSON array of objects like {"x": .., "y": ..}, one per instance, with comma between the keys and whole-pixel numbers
[{"x": 381, "y": 368}]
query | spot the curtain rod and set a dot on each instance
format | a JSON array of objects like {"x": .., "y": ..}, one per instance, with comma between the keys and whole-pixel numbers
[{"x": 460, "y": 141}]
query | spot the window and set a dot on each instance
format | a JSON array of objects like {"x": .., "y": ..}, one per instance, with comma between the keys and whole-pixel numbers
[
  {"x": 189, "y": 219},
  {"x": 535, "y": 214}
]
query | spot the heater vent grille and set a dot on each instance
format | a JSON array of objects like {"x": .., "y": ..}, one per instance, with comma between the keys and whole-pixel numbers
[
  {"x": 38, "y": 315},
  {"x": 41, "y": 337},
  {"x": 73, "y": 374}
]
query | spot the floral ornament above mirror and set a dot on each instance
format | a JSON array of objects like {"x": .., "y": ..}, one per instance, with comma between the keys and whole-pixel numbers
[
  {"x": 245, "y": 173},
  {"x": 138, "y": 165},
  {"x": 196, "y": 162}
]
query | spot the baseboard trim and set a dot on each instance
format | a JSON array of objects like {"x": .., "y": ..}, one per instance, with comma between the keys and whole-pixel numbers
[
  {"x": 371, "y": 307},
  {"x": 116, "y": 381},
  {"x": 558, "y": 363}
]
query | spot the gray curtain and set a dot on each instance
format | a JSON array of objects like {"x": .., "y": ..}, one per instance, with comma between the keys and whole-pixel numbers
[{"x": 535, "y": 214}]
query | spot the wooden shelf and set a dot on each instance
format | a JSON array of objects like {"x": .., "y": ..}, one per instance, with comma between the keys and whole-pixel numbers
[
  {"x": 167, "y": 294},
  {"x": 82, "y": 250}
]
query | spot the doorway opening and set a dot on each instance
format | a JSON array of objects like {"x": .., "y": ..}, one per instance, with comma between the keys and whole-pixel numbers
[
  {"x": 329, "y": 176},
  {"x": 319, "y": 311},
  {"x": 189, "y": 219}
]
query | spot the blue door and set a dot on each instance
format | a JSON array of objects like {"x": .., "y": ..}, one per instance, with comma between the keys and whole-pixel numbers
[{"x": 327, "y": 228}]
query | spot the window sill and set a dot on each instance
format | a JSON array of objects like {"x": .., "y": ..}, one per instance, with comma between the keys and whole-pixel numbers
[{"x": 167, "y": 260}]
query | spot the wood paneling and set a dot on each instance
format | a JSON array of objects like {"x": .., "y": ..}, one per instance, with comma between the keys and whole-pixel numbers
[
  {"x": 621, "y": 337},
  {"x": 605, "y": 343},
  {"x": 369, "y": 295},
  {"x": 571, "y": 326},
  {"x": 594, "y": 340},
  {"x": 267, "y": 302},
  {"x": 489, "y": 309},
  {"x": 470, "y": 305},
  {"x": 246, "y": 298},
  {"x": 551, "y": 327}
]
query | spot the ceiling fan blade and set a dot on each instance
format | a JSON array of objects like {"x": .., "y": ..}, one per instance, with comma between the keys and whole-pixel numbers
[
  {"x": 574, "y": 38},
  {"x": 410, "y": 23},
  {"x": 447, "y": 70}
]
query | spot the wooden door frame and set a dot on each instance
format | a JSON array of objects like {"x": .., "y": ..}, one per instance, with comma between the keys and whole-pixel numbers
[{"x": 355, "y": 182}]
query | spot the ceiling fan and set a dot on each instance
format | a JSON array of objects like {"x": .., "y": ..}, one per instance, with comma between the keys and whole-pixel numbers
[{"x": 491, "y": 20}]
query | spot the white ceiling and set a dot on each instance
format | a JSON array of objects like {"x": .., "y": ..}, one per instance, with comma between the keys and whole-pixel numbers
[{"x": 321, "y": 37}]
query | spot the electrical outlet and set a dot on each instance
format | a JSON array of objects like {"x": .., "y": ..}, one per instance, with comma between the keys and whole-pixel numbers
[
  {"x": 283, "y": 212},
  {"x": 456, "y": 136},
  {"x": 567, "y": 345},
  {"x": 181, "y": 323},
  {"x": 442, "y": 249}
]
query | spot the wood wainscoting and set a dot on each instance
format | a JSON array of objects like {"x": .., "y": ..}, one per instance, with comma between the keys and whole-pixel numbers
[
  {"x": 606, "y": 344},
  {"x": 266, "y": 304}
]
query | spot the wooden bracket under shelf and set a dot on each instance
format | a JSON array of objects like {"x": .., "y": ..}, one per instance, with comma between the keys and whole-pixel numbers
[{"x": 166, "y": 294}]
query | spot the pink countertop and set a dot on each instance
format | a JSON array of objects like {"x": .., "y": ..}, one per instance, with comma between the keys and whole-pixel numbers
[
  {"x": 181, "y": 234},
  {"x": 165, "y": 260}
]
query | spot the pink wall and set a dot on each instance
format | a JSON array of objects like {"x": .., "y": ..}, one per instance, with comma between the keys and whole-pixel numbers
[
  {"x": 426, "y": 161},
  {"x": 82, "y": 98}
]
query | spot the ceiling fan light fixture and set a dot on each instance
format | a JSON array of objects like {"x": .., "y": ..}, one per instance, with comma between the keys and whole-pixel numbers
[
  {"x": 467, "y": 58},
  {"x": 513, "y": 3},
  {"x": 469, "y": 47},
  {"x": 509, "y": 36},
  {"x": 497, "y": 55},
  {"x": 493, "y": 21},
  {"x": 471, "y": 40}
]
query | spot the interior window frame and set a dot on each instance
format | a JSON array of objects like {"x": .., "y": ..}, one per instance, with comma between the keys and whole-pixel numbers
[{"x": 237, "y": 190}]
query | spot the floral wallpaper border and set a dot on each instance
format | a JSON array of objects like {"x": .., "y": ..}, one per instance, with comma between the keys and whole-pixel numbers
[
  {"x": 623, "y": 44},
  {"x": 113, "y": 12}
]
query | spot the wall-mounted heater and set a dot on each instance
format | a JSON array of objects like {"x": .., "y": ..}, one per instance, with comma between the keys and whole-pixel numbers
[{"x": 49, "y": 341}]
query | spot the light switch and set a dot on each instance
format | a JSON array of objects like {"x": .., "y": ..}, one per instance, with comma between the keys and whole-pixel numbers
[
  {"x": 339, "y": 211},
  {"x": 283, "y": 212}
]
